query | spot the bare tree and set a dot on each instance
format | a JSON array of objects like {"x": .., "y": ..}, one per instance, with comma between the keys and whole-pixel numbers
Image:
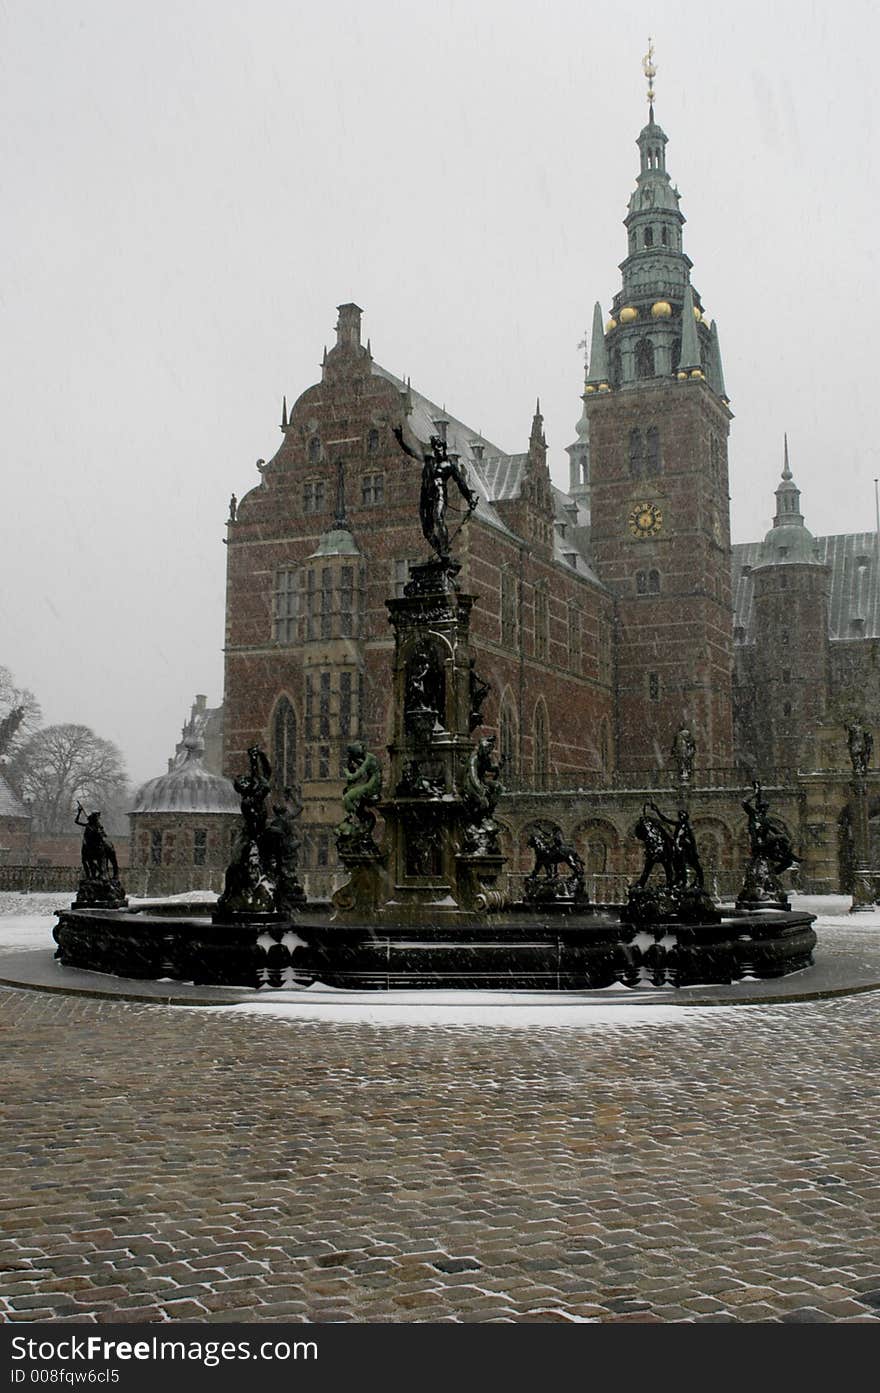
[
  {"x": 55, "y": 768},
  {"x": 19, "y": 712}
]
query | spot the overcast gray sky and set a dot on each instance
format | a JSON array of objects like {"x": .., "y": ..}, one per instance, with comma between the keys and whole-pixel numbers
[{"x": 191, "y": 188}]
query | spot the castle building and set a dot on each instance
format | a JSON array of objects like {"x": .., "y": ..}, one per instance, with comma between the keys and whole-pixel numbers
[{"x": 606, "y": 618}]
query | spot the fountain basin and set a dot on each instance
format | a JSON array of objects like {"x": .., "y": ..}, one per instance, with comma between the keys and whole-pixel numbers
[{"x": 544, "y": 948}]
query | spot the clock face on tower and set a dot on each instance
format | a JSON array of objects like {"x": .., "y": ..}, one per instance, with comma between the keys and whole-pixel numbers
[{"x": 645, "y": 520}]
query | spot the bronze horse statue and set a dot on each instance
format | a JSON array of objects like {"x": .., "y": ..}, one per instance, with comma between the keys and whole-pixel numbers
[{"x": 551, "y": 851}]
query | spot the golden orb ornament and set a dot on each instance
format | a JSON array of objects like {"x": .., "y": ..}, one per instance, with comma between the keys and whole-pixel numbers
[
  {"x": 698, "y": 314},
  {"x": 681, "y": 376},
  {"x": 612, "y": 324},
  {"x": 603, "y": 387},
  {"x": 696, "y": 372},
  {"x": 590, "y": 390},
  {"x": 628, "y": 314},
  {"x": 661, "y": 309}
]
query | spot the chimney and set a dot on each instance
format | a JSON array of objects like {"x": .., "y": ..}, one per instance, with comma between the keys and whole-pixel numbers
[{"x": 348, "y": 326}]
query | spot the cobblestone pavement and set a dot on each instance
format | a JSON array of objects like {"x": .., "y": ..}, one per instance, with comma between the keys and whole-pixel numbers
[{"x": 163, "y": 1164}]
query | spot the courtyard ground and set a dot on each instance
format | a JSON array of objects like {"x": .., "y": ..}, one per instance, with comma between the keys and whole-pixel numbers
[{"x": 634, "y": 1163}]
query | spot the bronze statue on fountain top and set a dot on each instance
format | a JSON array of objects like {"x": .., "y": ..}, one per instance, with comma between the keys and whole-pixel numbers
[{"x": 438, "y": 469}]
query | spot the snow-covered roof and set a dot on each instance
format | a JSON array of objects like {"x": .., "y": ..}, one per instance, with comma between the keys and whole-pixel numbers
[
  {"x": 187, "y": 788},
  {"x": 853, "y": 559}
]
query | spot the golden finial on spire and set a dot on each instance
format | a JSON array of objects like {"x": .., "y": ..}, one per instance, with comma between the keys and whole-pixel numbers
[{"x": 649, "y": 68}]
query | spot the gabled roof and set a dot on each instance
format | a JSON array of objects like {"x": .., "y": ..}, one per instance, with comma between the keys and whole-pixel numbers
[
  {"x": 496, "y": 477},
  {"x": 854, "y": 594}
]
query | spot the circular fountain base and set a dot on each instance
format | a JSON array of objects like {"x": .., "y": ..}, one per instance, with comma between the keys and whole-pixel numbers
[{"x": 543, "y": 948}]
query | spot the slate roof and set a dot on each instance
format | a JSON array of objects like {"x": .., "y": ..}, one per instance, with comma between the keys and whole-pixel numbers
[
  {"x": 496, "y": 477},
  {"x": 10, "y": 805},
  {"x": 854, "y": 599}
]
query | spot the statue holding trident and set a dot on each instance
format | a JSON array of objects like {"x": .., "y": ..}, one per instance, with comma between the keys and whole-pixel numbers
[{"x": 438, "y": 467}]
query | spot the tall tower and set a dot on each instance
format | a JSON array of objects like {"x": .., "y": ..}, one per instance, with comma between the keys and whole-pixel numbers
[
  {"x": 789, "y": 671},
  {"x": 658, "y": 423}
]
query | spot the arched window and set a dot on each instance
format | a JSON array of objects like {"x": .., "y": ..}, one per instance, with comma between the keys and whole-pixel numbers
[
  {"x": 653, "y": 582},
  {"x": 372, "y": 441},
  {"x": 664, "y": 235},
  {"x": 641, "y": 582},
  {"x": 314, "y": 449},
  {"x": 284, "y": 745},
  {"x": 644, "y": 358},
  {"x": 542, "y": 760},
  {"x": 649, "y": 236}
]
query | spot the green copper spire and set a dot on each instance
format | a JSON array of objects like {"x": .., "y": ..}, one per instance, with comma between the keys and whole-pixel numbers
[
  {"x": 597, "y": 375},
  {"x": 716, "y": 371},
  {"x": 656, "y": 328},
  {"x": 690, "y": 360}
]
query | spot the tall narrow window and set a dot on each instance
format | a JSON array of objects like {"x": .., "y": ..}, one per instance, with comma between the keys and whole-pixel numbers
[
  {"x": 653, "y": 582},
  {"x": 508, "y": 609},
  {"x": 200, "y": 846},
  {"x": 542, "y": 623},
  {"x": 324, "y": 710},
  {"x": 155, "y": 847},
  {"x": 345, "y": 705},
  {"x": 314, "y": 449},
  {"x": 653, "y": 686},
  {"x": 652, "y": 460},
  {"x": 311, "y": 606},
  {"x": 346, "y": 601},
  {"x": 636, "y": 456},
  {"x": 574, "y": 638},
  {"x": 541, "y": 746},
  {"x": 286, "y": 621},
  {"x": 326, "y": 602},
  {"x": 649, "y": 236},
  {"x": 372, "y": 441},
  {"x": 508, "y": 740},
  {"x": 310, "y": 706},
  {"x": 641, "y": 582},
  {"x": 284, "y": 743},
  {"x": 323, "y": 761}
]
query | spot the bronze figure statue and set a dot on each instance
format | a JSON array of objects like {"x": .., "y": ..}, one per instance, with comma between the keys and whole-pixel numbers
[
  {"x": 98, "y": 852},
  {"x": 100, "y": 886},
  {"x": 771, "y": 853},
  {"x": 684, "y": 751},
  {"x": 860, "y": 744},
  {"x": 363, "y": 788},
  {"x": 438, "y": 468},
  {"x": 544, "y": 883}
]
